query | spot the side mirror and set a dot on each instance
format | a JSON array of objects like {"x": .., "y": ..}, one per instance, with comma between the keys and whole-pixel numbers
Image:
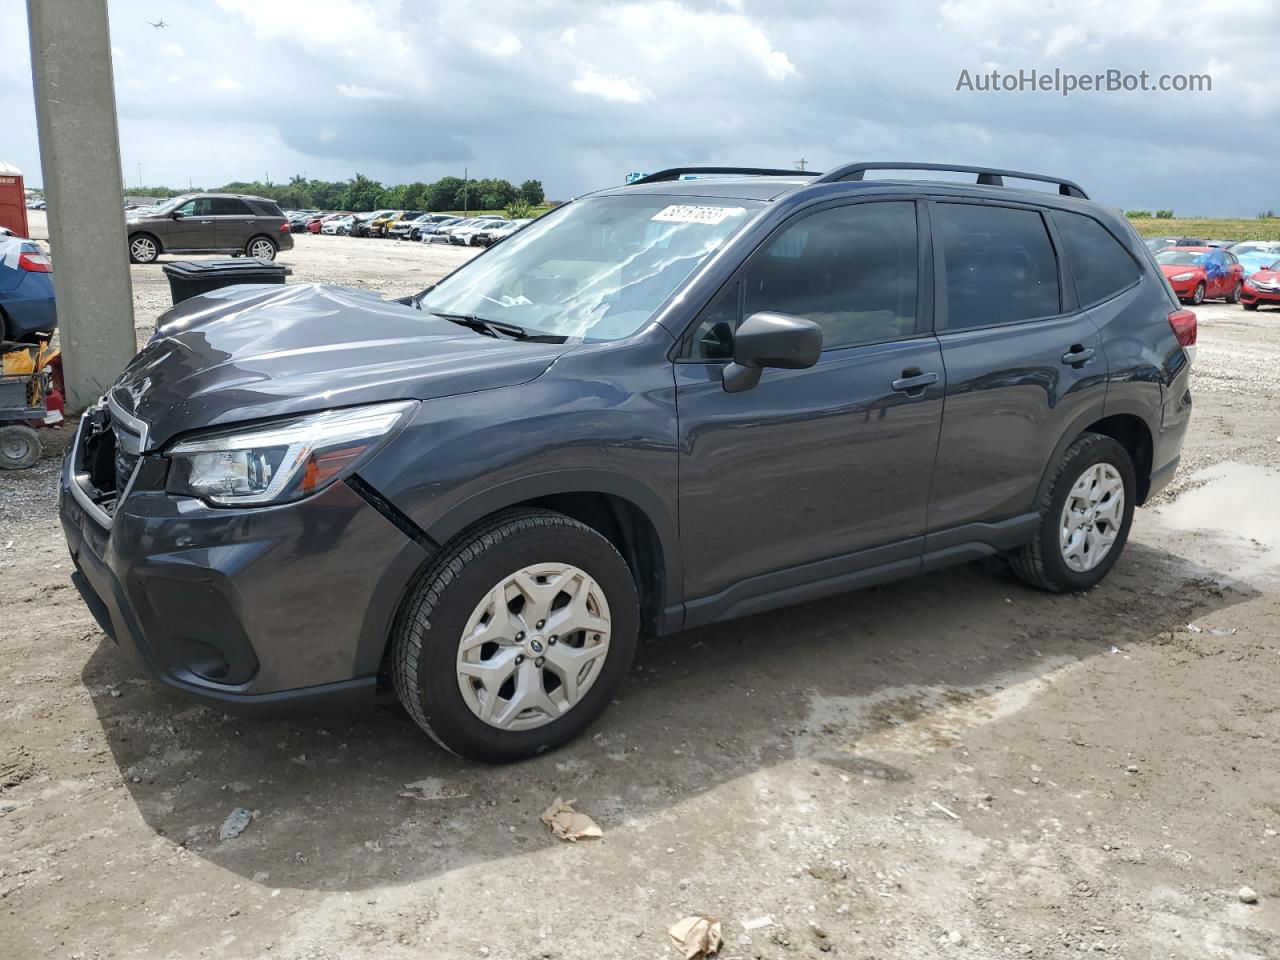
[
  {"x": 771, "y": 340},
  {"x": 176, "y": 215}
]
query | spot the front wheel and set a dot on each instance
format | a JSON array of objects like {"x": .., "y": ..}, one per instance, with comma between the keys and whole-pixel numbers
[
  {"x": 516, "y": 637},
  {"x": 1250, "y": 306},
  {"x": 1084, "y": 518},
  {"x": 1234, "y": 295},
  {"x": 143, "y": 249},
  {"x": 261, "y": 248},
  {"x": 1197, "y": 296}
]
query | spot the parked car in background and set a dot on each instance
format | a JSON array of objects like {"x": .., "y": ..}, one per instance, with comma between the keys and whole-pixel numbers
[
  {"x": 1263, "y": 288},
  {"x": 298, "y": 219},
  {"x": 378, "y": 225},
  {"x": 210, "y": 223},
  {"x": 1202, "y": 273},
  {"x": 1254, "y": 260},
  {"x": 27, "y": 306},
  {"x": 665, "y": 405},
  {"x": 428, "y": 233},
  {"x": 399, "y": 227},
  {"x": 427, "y": 221},
  {"x": 488, "y": 236},
  {"x": 339, "y": 226},
  {"x": 464, "y": 233},
  {"x": 317, "y": 225},
  {"x": 1241, "y": 247}
]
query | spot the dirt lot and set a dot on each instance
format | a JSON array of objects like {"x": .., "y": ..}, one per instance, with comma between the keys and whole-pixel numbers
[{"x": 954, "y": 766}]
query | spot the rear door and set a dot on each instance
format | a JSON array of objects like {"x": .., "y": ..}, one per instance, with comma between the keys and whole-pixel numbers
[
  {"x": 827, "y": 467},
  {"x": 1023, "y": 362},
  {"x": 236, "y": 222}
]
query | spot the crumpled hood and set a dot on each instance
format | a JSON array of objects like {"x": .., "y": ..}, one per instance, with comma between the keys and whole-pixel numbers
[{"x": 251, "y": 352}]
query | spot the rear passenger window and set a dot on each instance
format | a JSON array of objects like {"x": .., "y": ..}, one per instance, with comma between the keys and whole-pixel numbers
[
  {"x": 850, "y": 269},
  {"x": 229, "y": 207},
  {"x": 1000, "y": 265},
  {"x": 1099, "y": 263}
]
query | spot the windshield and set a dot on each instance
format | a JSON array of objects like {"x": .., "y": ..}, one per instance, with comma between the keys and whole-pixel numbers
[
  {"x": 168, "y": 206},
  {"x": 599, "y": 268},
  {"x": 1179, "y": 258}
]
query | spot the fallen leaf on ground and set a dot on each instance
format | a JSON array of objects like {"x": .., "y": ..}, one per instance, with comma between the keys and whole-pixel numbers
[
  {"x": 430, "y": 788},
  {"x": 696, "y": 936},
  {"x": 568, "y": 824}
]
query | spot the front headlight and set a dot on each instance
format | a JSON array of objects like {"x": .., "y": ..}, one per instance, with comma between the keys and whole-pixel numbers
[
  {"x": 1183, "y": 276},
  {"x": 285, "y": 460}
]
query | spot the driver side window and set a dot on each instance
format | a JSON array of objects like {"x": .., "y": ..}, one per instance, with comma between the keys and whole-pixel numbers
[{"x": 851, "y": 269}]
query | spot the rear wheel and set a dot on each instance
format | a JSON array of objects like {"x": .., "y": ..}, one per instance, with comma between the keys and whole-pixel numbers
[
  {"x": 19, "y": 447},
  {"x": 1197, "y": 296},
  {"x": 1234, "y": 295},
  {"x": 1084, "y": 518},
  {"x": 261, "y": 248},
  {"x": 517, "y": 637},
  {"x": 143, "y": 248}
]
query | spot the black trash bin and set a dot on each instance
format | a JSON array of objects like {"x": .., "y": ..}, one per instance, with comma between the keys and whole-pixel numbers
[{"x": 190, "y": 278}]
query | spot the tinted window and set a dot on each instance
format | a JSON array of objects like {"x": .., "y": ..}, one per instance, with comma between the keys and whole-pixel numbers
[
  {"x": 229, "y": 207},
  {"x": 851, "y": 269},
  {"x": 199, "y": 207},
  {"x": 1000, "y": 264},
  {"x": 1099, "y": 263}
]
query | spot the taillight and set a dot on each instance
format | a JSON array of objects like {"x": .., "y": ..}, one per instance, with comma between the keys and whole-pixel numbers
[
  {"x": 34, "y": 263},
  {"x": 1183, "y": 323},
  {"x": 284, "y": 227}
]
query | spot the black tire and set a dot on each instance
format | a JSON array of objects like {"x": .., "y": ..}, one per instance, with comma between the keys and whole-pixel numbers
[
  {"x": 427, "y": 630},
  {"x": 143, "y": 248},
  {"x": 19, "y": 447},
  {"x": 1250, "y": 306},
  {"x": 1234, "y": 295},
  {"x": 1197, "y": 296},
  {"x": 1040, "y": 563},
  {"x": 261, "y": 247}
]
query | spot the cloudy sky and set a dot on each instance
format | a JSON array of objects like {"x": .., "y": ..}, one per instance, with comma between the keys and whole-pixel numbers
[{"x": 577, "y": 93}]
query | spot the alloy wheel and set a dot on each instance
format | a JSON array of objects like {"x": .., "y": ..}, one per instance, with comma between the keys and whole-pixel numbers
[
  {"x": 1091, "y": 517},
  {"x": 533, "y": 646},
  {"x": 262, "y": 249},
  {"x": 143, "y": 249}
]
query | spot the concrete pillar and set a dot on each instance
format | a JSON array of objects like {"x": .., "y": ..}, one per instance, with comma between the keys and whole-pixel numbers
[{"x": 80, "y": 159}]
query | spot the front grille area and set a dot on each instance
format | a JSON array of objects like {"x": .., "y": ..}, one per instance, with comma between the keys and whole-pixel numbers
[{"x": 126, "y": 457}]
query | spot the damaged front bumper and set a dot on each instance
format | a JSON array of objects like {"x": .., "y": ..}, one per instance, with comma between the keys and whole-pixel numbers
[{"x": 260, "y": 610}]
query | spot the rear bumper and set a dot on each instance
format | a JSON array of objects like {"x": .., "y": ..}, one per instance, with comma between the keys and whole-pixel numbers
[
  {"x": 284, "y": 240},
  {"x": 30, "y": 306},
  {"x": 263, "y": 612}
]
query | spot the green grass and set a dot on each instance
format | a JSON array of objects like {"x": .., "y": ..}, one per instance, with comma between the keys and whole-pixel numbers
[{"x": 1210, "y": 228}]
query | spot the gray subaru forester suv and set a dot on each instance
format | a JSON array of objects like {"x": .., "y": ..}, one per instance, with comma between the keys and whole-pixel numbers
[
  {"x": 710, "y": 393},
  {"x": 209, "y": 223}
]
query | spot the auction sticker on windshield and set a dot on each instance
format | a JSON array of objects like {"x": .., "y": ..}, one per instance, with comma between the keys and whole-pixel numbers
[{"x": 687, "y": 213}]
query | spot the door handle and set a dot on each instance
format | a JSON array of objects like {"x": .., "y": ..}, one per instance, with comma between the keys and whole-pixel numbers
[
  {"x": 205, "y": 223},
  {"x": 913, "y": 379},
  {"x": 1077, "y": 355}
]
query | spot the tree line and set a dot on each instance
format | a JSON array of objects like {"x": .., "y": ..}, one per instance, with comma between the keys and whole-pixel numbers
[{"x": 362, "y": 194}]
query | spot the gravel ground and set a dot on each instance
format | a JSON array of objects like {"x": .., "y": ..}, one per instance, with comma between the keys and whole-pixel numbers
[{"x": 954, "y": 766}]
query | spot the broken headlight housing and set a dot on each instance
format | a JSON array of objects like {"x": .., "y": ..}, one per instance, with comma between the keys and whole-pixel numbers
[{"x": 285, "y": 460}]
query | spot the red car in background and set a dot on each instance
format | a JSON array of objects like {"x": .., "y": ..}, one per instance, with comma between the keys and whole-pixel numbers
[
  {"x": 315, "y": 223},
  {"x": 1202, "y": 273},
  {"x": 1263, "y": 288}
]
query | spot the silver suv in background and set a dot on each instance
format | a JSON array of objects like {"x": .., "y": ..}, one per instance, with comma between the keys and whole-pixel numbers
[{"x": 209, "y": 223}]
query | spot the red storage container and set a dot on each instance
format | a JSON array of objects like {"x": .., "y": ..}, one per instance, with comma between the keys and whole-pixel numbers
[{"x": 13, "y": 200}]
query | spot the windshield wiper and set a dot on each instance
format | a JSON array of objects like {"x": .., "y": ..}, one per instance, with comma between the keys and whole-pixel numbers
[{"x": 491, "y": 328}]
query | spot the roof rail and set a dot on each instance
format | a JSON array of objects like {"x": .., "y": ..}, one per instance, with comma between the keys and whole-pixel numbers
[
  {"x": 988, "y": 176},
  {"x": 675, "y": 173}
]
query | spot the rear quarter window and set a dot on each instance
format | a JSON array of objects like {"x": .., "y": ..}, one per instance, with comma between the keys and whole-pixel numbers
[
  {"x": 265, "y": 208},
  {"x": 1100, "y": 265}
]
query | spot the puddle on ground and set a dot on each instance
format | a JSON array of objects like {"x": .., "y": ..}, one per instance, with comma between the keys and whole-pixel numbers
[{"x": 1237, "y": 499}]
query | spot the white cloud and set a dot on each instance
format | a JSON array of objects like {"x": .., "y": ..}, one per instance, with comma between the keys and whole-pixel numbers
[
  {"x": 609, "y": 86},
  {"x": 173, "y": 50},
  {"x": 355, "y": 92},
  {"x": 228, "y": 84},
  {"x": 503, "y": 45}
]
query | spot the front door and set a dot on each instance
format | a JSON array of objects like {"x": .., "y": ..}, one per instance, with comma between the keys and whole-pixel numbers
[
  {"x": 827, "y": 467},
  {"x": 195, "y": 229}
]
